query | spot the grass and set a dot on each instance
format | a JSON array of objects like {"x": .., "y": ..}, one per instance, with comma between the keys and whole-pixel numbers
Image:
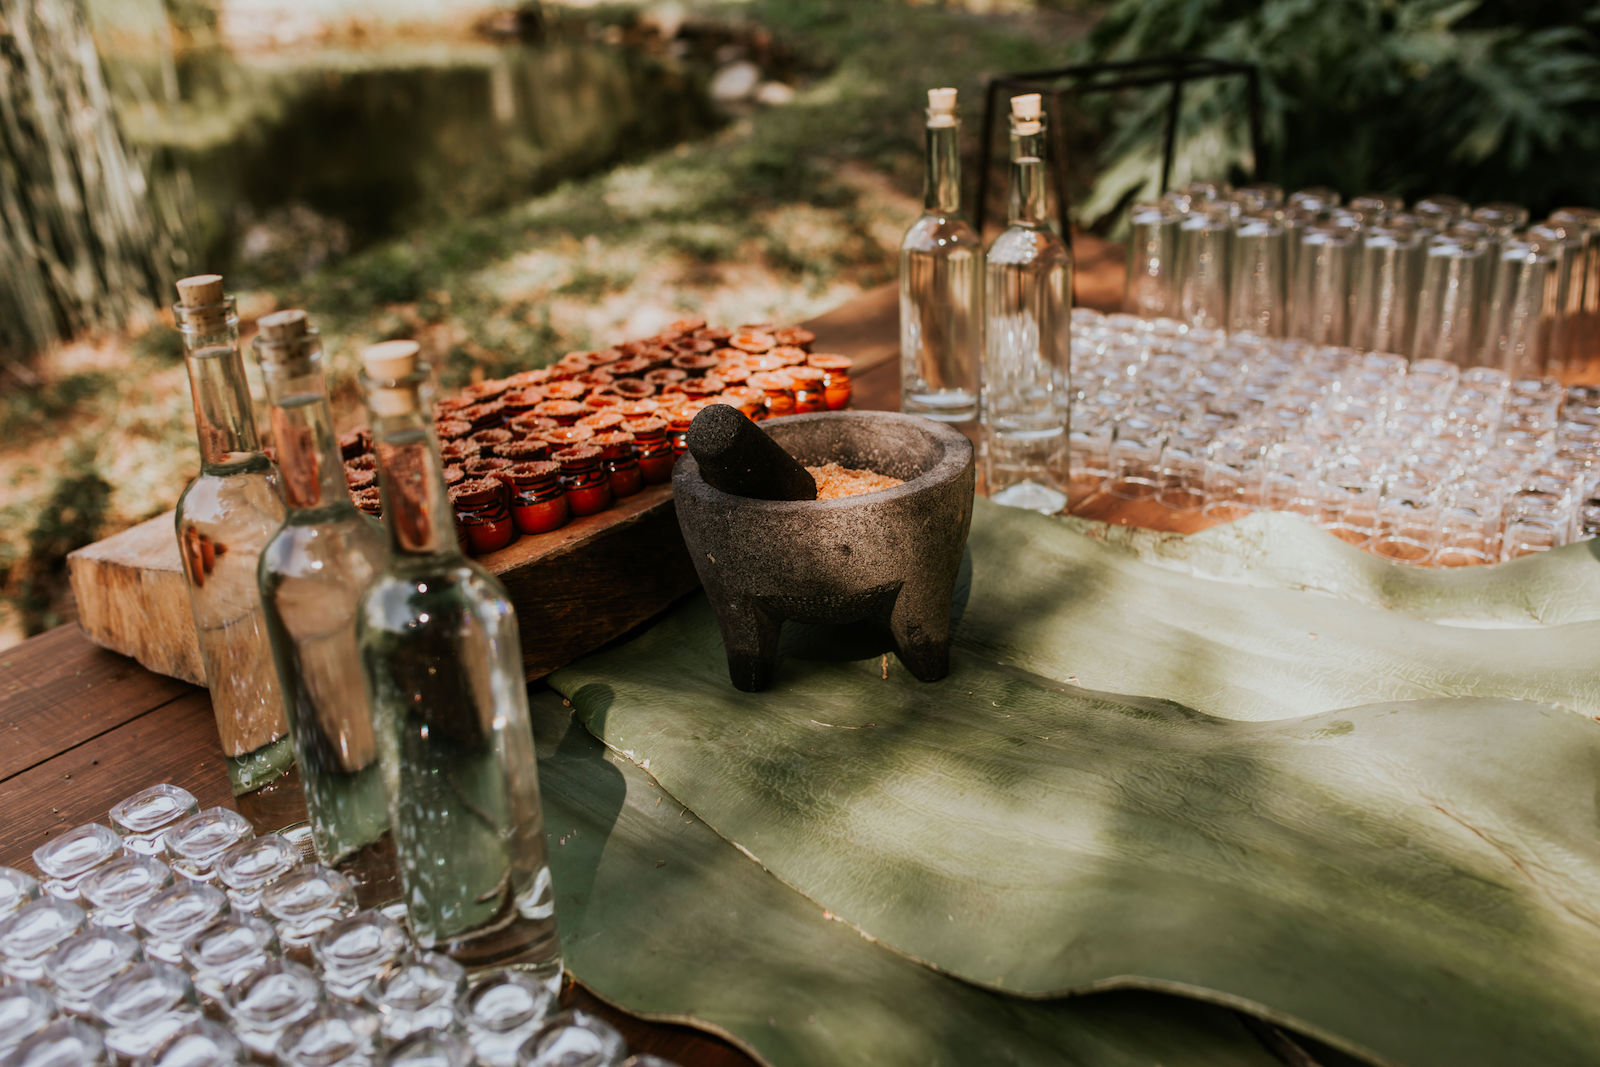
[{"x": 780, "y": 215}]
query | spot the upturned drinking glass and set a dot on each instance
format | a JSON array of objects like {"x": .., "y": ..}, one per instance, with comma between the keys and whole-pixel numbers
[
  {"x": 430, "y": 1048},
  {"x": 201, "y": 1043},
  {"x": 144, "y": 818},
  {"x": 267, "y": 1001},
  {"x": 25, "y": 1009},
  {"x": 17, "y": 891},
  {"x": 501, "y": 1010},
  {"x": 196, "y": 843},
  {"x": 1439, "y": 212},
  {"x": 418, "y": 992},
  {"x": 335, "y": 1035},
  {"x": 1152, "y": 260},
  {"x": 1319, "y": 292},
  {"x": 252, "y": 866},
  {"x": 224, "y": 517},
  {"x": 354, "y": 951},
  {"x": 63, "y": 1043},
  {"x": 67, "y": 860},
  {"x": 573, "y": 1039},
  {"x": 306, "y": 902},
  {"x": 144, "y": 1006},
  {"x": 1385, "y": 281},
  {"x": 1565, "y": 242},
  {"x": 35, "y": 931},
  {"x": 1522, "y": 308},
  {"x": 1447, "y": 301},
  {"x": 442, "y": 657},
  {"x": 313, "y": 572},
  {"x": 170, "y": 918},
  {"x": 941, "y": 267},
  {"x": 87, "y": 963},
  {"x": 114, "y": 892},
  {"x": 227, "y": 951},
  {"x": 1204, "y": 238}
]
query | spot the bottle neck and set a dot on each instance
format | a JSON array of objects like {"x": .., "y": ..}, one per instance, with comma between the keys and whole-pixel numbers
[
  {"x": 416, "y": 504},
  {"x": 941, "y": 189},
  {"x": 224, "y": 423},
  {"x": 309, "y": 461},
  {"x": 1027, "y": 180}
]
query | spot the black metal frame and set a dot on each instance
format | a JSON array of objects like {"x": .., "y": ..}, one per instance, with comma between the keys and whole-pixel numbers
[{"x": 1174, "y": 70}]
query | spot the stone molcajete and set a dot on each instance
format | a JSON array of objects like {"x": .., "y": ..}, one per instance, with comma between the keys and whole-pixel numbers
[{"x": 891, "y": 554}]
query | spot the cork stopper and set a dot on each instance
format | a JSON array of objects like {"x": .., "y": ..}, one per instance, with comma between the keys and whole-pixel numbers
[
  {"x": 941, "y": 107},
  {"x": 283, "y": 327},
  {"x": 202, "y": 303},
  {"x": 389, "y": 362},
  {"x": 1027, "y": 113},
  {"x": 286, "y": 342}
]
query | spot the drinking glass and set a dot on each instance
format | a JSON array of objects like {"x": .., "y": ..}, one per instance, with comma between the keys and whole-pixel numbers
[
  {"x": 1152, "y": 260},
  {"x": 1233, "y": 479},
  {"x": 573, "y": 1039},
  {"x": 17, "y": 891},
  {"x": 266, "y": 1002},
  {"x": 1447, "y": 300},
  {"x": 88, "y": 962},
  {"x": 144, "y": 818},
  {"x": 25, "y": 1009},
  {"x": 196, "y": 843},
  {"x": 304, "y": 903},
  {"x": 335, "y": 1035},
  {"x": 170, "y": 918},
  {"x": 1439, "y": 212},
  {"x": 1203, "y": 241},
  {"x": 34, "y": 932},
  {"x": 144, "y": 1006},
  {"x": 1259, "y": 276},
  {"x": 1501, "y": 218},
  {"x": 1135, "y": 461},
  {"x": 201, "y": 1043},
  {"x": 1374, "y": 207},
  {"x": 1408, "y": 513},
  {"x": 1351, "y": 489},
  {"x": 1522, "y": 308},
  {"x": 251, "y": 866},
  {"x": 1385, "y": 284},
  {"x": 63, "y": 1043},
  {"x": 1181, "y": 484},
  {"x": 353, "y": 951},
  {"x": 1289, "y": 480},
  {"x": 1319, "y": 293},
  {"x": 1469, "y": 524},
  {"x": 1259, "y": 196},
  {"x": 1565, "y": 243},
  {"x": 228, "y": 950},
  {"x": 430, "y": 1048},
  {"x": 68, "y": 859},
  {"x": 1315, "y": 198},
  {"x": 501, "y": 1010},
  {"x": 418, "y": 992},
  {"x": 114, "y": 892}
]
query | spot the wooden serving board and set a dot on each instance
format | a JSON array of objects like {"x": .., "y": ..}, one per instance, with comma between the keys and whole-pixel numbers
[{"x": 574, "y": 589}]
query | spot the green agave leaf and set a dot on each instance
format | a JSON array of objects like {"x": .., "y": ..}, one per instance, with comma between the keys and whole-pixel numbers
[
  {"x": 660, "y": 915},
  {"x": 1411, "y": 882}
]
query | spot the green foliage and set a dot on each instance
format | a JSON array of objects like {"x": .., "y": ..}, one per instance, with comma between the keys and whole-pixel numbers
[
  {"x": 1486, "y": 99},
  {"x": 26, "y": 412},
  {"x": 70, "y": 519}
]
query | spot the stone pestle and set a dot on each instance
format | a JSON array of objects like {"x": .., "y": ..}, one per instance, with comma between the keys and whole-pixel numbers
[{"x": 736, "y": 456}]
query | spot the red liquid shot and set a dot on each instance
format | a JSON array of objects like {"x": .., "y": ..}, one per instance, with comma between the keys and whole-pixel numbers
[{"x": 542, "y": 517}]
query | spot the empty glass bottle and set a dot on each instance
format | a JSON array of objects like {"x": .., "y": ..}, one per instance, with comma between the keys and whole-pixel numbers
[
  {"x": 312, "y": 574},
  {"x": 224, "y": 517},
  {"x": 1027, "y": 335},
  {"x": 443, "y": 666},
  {"x": 941, "y": 260}
]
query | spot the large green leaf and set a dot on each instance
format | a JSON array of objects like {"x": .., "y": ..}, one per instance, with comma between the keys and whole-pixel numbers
[
  {"x": 1413, "y": 882},
  {"x": 662, "y": 916}
]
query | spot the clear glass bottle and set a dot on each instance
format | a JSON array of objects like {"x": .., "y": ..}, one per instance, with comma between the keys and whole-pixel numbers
[
  {"x": 941, "y": 262},
  {"x": 443, "y": 666},
  {"x": 312, "y": 575},
  {"x": 224, "y": 517},
  {"x": 1027, "y": 335}
]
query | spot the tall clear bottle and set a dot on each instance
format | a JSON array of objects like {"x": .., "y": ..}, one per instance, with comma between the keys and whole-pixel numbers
[
  {"x": 941, "y": 262},
  {"x": 312, "y": 575},
  {"x": 224, "y": 518},
  {"x": 443, "y": 666},
  {"x": 1027, "y": 335}
]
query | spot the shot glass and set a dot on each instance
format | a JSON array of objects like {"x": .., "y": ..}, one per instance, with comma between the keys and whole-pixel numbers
[
  {"x": 25, "y": 1009},
  {"x": 63, "y": 1043},
  {"x": 335, "y": 1035},
  {"x": 17, "y": 891},
  {"x": 304, "y": 903},
  {"x": 430, "y": 1048},
  {"x": 353, "y": 951},
  {"x": 196, "y": 843},
  {"x": 170, "y": 918},
  {"x": 500, "y": 1010},
  {"x": 1135, "y": 458},
  {"x": 29, "y": 936},
  {"x": 1350, "y": 492},
  {"x": 1408, "y": 513},
  {"x": 417, "y": 993},
  {"x": 1232, "y": 479},
  {"x": 145, "y": 1006},
  {"x": 87, "y": 963},
  {"x": 114, "y": 892},
  {"x": 144, "y": 818},
  {"x": 1469, "y": 524},
  {"x": 1183, "y": 469},
  {"x": 266, "y": 1002},
  {"x": 1289, "y": 480},
  {"x": 251, "y": 866},
  {"x": 227, "y": 951},
  {"x": 573, "y": 1039},
  {"x": 201, "y": 1043},
  {"x": 67, "y": 860}
]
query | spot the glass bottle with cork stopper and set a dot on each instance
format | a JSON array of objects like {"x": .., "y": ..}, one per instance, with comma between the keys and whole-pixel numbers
[
  {"x": 312, "y": 575},
  {"x": 442, "y": 658},
  {"x": 224, "y": 517}
]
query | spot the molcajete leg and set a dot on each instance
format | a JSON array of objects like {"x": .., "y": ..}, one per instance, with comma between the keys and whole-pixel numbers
[
  {"x": 920, "y": 625},
  {"x": 750, "y": 636}
]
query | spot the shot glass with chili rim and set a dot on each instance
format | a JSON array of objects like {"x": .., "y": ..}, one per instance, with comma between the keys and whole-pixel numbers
[
  {"x": 836, "y": 382},
  {"x": 538, "y": 501},
  {"x": 620, "y": 462},
  {"x": 587, "y": 485},
  {"x": 482, "y": 511},
  {"x": 654, "y": 450}
]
